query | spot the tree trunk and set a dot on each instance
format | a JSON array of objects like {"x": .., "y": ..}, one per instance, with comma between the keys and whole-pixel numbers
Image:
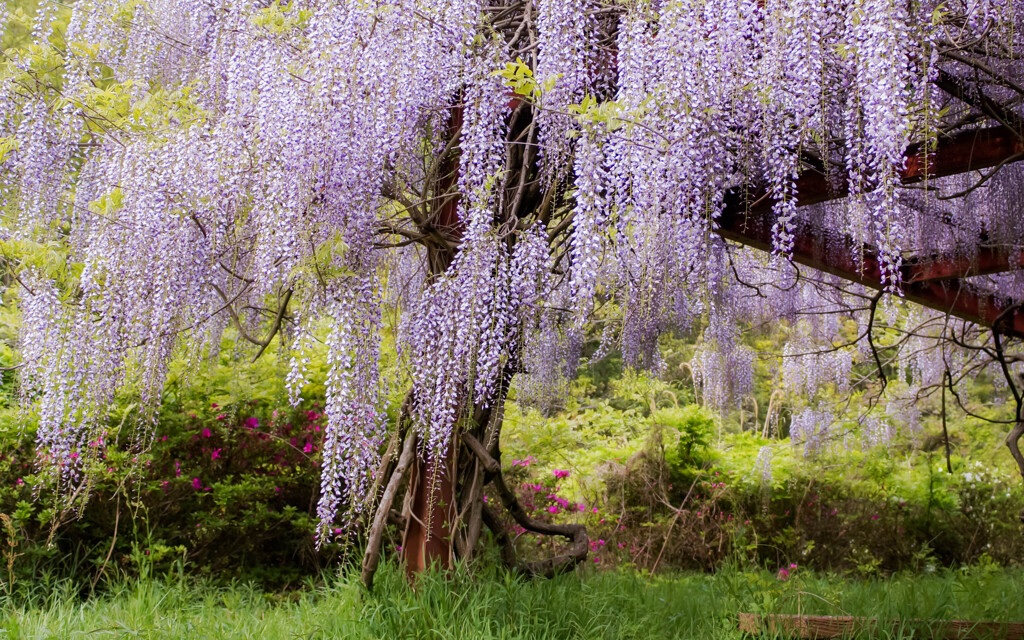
[
  {"x": 444, "y": 512},
  {"x": 1013, "y": 444},
  {"x": 431, "y": 515}
]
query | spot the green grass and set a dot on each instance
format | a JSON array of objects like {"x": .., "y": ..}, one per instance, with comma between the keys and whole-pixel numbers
[{"x": 493, "y": 605}]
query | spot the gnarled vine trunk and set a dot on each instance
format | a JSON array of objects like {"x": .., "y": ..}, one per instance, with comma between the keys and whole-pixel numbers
[
  {"x": 444, "y": 510},
  {"x": 430, "y": 516}
]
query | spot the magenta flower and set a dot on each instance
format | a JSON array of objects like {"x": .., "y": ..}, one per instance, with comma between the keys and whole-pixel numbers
[
  {"x": 783, "y": 575},
  {"x": 206, "y": 433},
  {"x": 215, "y": 454},
  {"x": 561, "y": 473},
  {"x": 197, "y": 484}
]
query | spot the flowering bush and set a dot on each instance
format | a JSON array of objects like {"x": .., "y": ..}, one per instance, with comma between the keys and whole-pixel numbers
[{"x": 228, "y": 487}]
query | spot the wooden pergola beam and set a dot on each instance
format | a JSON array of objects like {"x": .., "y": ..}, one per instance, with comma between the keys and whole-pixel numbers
[
  {"x": 936, "y": 282},
  {"x": 986, "y": 261}
]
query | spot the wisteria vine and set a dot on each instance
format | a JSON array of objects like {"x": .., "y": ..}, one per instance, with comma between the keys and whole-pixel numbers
[{"x": 507, "y": 175}]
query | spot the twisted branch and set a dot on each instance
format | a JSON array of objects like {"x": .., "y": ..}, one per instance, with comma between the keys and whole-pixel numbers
[
  {"x": 371, "y": 559},
  {"x": 576, "y": 533}
]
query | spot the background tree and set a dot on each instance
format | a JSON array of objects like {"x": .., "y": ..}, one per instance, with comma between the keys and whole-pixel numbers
[{"x": 485, "y": 183}]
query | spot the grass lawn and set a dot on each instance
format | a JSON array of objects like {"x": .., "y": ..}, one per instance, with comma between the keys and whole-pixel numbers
[{"x": 493, "y": 605}]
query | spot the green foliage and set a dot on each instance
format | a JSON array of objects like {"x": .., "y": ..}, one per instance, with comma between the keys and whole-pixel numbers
[
  {"x": 693, "y": 428},
  {"x": 519, "y": 77},
  {"x": 282, "y": 17},
  {"x": 659, "y": 489},
  {"x": 607, "y": 113},
  {"x": 227, "y": 487}
]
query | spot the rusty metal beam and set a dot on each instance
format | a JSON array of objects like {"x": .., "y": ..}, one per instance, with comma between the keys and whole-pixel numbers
[
  {"x": 962, "y": 152},
  {"x": 935, "y": 282},
  {"x": 987, "y": 261}
]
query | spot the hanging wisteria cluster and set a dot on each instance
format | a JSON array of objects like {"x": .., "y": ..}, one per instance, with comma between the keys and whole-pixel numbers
[{"x": 507, "y": 175}]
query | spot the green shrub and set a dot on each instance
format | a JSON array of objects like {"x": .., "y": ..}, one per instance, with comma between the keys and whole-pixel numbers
[{"x": 226, "y": 488}]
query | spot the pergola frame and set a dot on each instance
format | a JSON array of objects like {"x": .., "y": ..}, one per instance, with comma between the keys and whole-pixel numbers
[{"x": 934, "y": 281}]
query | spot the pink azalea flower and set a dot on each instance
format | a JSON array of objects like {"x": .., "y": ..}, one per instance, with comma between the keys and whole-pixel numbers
[
  {"x": 561, "y": 473},
  {"x": 206, "y": 433}
]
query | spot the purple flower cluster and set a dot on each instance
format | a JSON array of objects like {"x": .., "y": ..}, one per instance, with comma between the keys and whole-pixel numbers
[{"x": 260, "y": 169}]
